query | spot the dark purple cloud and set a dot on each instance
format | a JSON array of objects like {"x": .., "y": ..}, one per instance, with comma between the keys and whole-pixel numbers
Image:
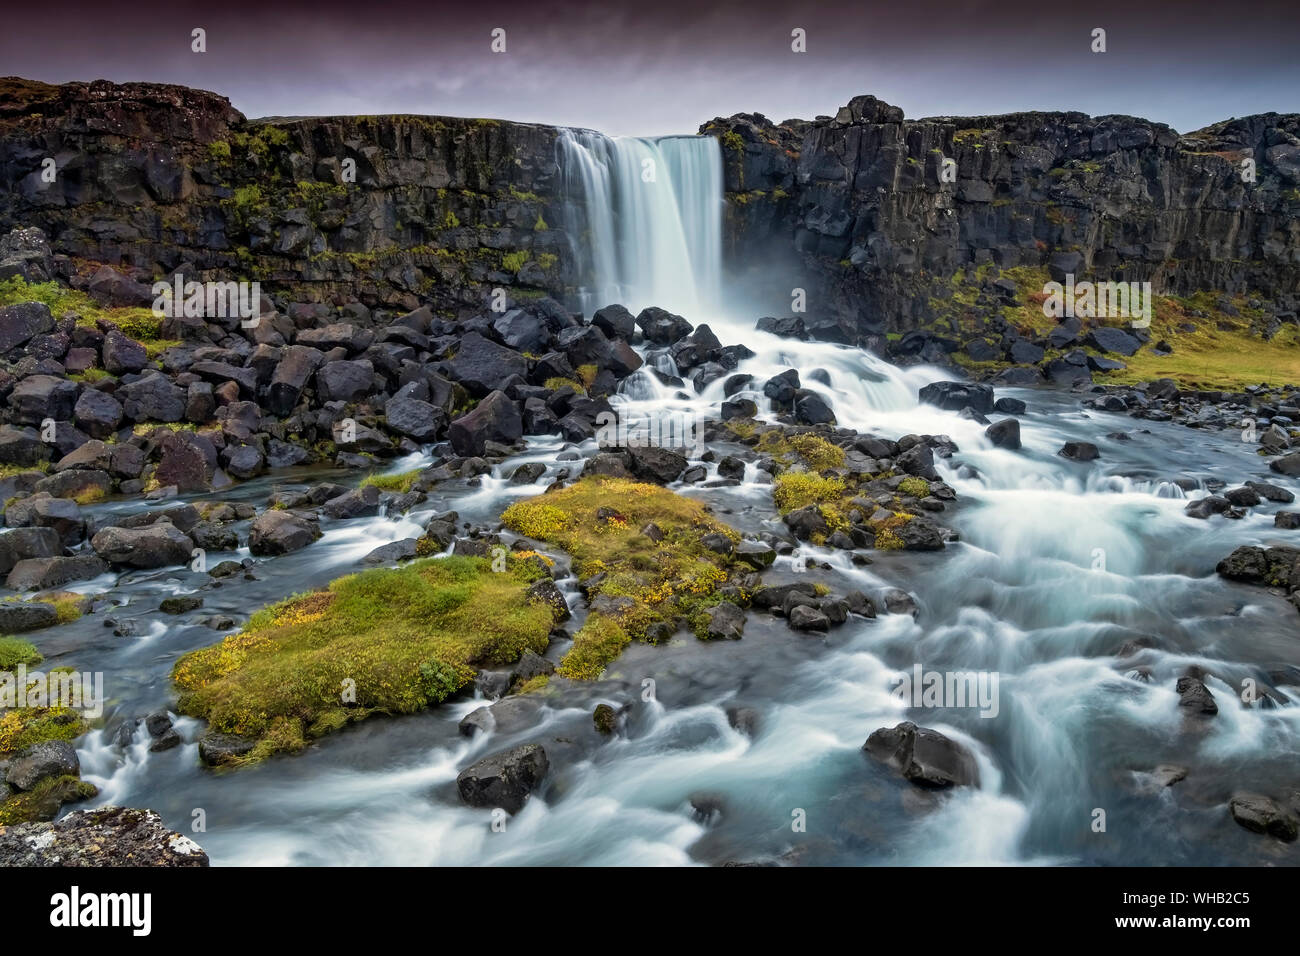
[{"x": 667, "y": 66}]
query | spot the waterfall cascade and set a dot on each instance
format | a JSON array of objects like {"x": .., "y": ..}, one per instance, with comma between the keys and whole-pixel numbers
[{"x": 646, "y": 219}]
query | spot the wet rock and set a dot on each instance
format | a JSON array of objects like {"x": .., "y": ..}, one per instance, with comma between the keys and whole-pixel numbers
[
  {"x": 546, "y": 591},
  {"x": 1261, "y": 814},
  {"x": 726, "y": 621},
  {"x": 20, "y": 616},
  {"x": 925, "y": 757},
  {"x": 360, "y": 503},
  {"x": 605, "y": 719},
  {"x": 1288, "y": 465},
  {"x": 496, "y": 418},
  {"x": 1271, "y": 492},
  {"x": 40, "y": 574},
  {"x": 898, "y": 601},
  {"x": 1287, "y": 520},
  {"x": 21, "y": 543},
  {"x": 1079, "y": 451},
  {"x": 1207, "y": 506},
  {"x": 756, "y": 554},
  {"x": 217, "y": 749},
  {"x": 154, "y": 546},
  {"x": 661, "y": 326},
  {"x": 180, "y": 605},
  {"x": 279, "y": 532},
  {"x": 108, "y": 836},
  {"x": 651, "y": 463},
  {"x": 1195, "y": 697},
  {"x": 803, "y": 617},
  {"x": 807, "y": 522},
  {"x": 51, "y": 758},
  {"x": 954, "y": 396},
  {"x": 529, "y": 666},
  {"x": 1247, "y": 563},
  {"x": 504, "y": 780},
  {"x": 394, "y": 551},
  {"x": 920, "y": 535},
  {"x": 744, "y": 720},
  {"x": 1004, "y": 434}
]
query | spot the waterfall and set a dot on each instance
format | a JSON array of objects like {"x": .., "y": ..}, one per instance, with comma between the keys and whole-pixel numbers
[{"x": 645, "y": 219}]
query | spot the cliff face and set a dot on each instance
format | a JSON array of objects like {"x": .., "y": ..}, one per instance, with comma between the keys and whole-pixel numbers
[
  {"x": 853, "y": 207},
  {"x": 158, "y": 177}
]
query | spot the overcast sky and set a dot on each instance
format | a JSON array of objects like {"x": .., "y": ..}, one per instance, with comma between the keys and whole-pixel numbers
[{"x": 666, "y": 66}]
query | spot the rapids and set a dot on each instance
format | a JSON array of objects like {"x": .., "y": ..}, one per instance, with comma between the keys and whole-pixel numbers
[{"x": 1058, "y": 566}]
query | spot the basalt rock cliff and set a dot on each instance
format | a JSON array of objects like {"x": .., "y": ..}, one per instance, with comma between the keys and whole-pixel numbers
[
  {"x": 857, "y": 210},
  {"x": 403, "y": 211},
  {"x": 395, "y": 210}
]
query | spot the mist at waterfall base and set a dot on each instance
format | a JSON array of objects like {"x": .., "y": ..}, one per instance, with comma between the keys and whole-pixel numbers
[{"x": 1022, "y": 594}]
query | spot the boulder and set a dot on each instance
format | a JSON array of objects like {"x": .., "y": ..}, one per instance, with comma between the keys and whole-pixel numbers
[
  {"x": 154, "y": 546},
  {"x": 481, "y": 365},
  {"x": 154, "y": 397},
  {"x": 40, "y": 397},
  {"x": 1004, "y": 434},
  {"x": 954, "y": 396},
  {"x": 726, "y": 621},
  {"x": 42, "y": 574},
  {"x": 19, "y": 616},
  {"x": 345, "y": 381},
  {"x": 494, "y": 419},
  {"x": 924, "y": 757},
  {"x": 50, "y": 758},
  {"x": 655, "y": 464},
  {"x": 504, "y": 779},
  {"x": 1261, "y": 814},
  {"x": 1079, "y": 451},
  {"x": 414, "y": 418},
  {"x": 22, "y": 322},
  {"x": 279, "y": 532}
]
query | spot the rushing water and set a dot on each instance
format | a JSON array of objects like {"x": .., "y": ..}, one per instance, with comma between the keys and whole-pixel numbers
[{"x": 1059, "y": 565}]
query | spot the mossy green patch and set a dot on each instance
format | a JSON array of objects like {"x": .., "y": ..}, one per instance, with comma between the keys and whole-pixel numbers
[
  {"x": 389, "y": 640},
  {"x": 15, "y": 651},
  {"x": 400, "y": 483},
  {"x": 136, "y": 323},
  {"x": 648, "y": 577}
]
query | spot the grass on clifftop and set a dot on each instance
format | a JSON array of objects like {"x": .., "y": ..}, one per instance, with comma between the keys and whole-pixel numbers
[
  {"x": 1218, "y": 352},
  {"x": 599, "y": 522},
  {"x": 404, "y": 638},
  {"x": 1213, "y": 347}
]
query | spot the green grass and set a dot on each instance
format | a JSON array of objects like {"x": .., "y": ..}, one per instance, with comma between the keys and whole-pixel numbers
[
  {"x": 15, "y": 651},
  {"x": 598, "y": 521},
  {"x": 400, "y": 483},
  {"x": 136, "y": 323},
  {"x": 405, "y": 638}
]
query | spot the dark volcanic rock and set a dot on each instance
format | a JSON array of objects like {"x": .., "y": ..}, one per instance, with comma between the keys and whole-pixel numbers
[
  {"x": 954, "y": 396},
  {"x": 106, "y": 837},
  {"x": 505, "y": 779},
  {"x": 495, "y": 419},
  {"x": 925, "y": 757}
]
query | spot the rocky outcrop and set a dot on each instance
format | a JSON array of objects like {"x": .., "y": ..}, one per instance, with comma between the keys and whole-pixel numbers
[
  {"x": 109, "y": 836},
  {"x": 398, "y": 210},
  {"x": 855, "y": 208}
]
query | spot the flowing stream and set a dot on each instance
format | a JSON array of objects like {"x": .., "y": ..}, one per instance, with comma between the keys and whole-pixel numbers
[{"x": 1060, "y": 564}]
